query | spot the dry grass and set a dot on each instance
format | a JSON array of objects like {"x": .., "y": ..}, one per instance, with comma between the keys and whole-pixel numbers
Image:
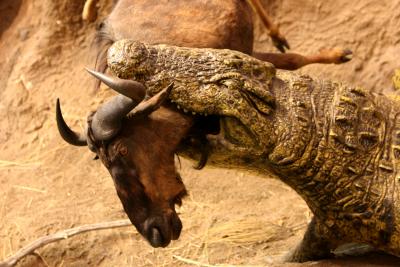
[
  {"x": 200, "y": 264},
  {"x": 247, "y": 231}
]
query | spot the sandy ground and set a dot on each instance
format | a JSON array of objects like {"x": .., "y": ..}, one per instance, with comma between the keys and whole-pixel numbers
[{"x": 230, "y": 217}]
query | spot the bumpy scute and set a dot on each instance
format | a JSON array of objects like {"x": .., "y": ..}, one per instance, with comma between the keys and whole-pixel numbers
[{"x": 337, "y": 146}]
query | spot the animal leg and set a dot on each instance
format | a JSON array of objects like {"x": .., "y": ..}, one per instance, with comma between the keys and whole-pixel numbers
[
  {"x": 315, "y": 245},
  {"x": 89, "y": 12},
  {"x": 278, "y": 39},
  {"x": 292, "y": 61}
]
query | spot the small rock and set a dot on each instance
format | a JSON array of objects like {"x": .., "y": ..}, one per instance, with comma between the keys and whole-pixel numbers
[{"x": 23, "y": 34}]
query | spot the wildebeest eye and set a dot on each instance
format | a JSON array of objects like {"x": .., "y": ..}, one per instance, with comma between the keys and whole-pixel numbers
[{"x": 96, "y": 157}]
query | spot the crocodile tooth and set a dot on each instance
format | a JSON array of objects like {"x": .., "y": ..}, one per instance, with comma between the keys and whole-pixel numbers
[
  {"x": 185, "y": 110},
  {"x": 179, "y": 107},
  {"x": 193, "y": 113}
]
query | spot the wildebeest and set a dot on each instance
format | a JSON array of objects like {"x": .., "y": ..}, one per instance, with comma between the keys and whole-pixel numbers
[
  {"x": 89, "y": 13},
  {"x": 226, "y": 24}
]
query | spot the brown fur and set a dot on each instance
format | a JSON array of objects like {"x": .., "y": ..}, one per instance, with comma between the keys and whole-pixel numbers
[
  {"x": 141, "y": 161},
  {"x": 223, "y": 24}
]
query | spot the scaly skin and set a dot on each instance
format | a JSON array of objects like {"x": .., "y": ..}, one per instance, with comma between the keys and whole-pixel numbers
[{"x": 337, "y": 146}]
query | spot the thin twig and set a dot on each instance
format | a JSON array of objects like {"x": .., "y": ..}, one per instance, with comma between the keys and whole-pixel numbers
[
  {"x": 30, "y": 189},
  {"x": 64, "y": 234},
  {"x": 191, "y": 262},
  {"x": 9, "y": 164},
  {"x": 200, "y": 264}
]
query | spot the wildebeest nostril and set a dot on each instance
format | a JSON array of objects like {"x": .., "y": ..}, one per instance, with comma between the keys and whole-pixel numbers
[
  {"x": 160, "y": 230},
  {"x": 176, "y": 225},
  {"x": 155, "y": 238}
]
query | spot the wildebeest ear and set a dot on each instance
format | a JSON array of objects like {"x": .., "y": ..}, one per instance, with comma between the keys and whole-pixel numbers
[{"x": 146, "y": 107}]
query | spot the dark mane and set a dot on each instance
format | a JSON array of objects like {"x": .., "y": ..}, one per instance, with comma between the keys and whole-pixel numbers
[{"x": 101, "y": 43}]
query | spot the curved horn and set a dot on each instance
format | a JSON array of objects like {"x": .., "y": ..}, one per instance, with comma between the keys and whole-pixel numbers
[
  {"x": 107, "y": 120},
  {"x": 129, "y": 88},
  {"x": 66, "y": 133}
]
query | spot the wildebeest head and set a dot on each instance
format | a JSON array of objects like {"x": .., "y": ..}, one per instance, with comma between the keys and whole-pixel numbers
[{"x": 139, "y": 156}]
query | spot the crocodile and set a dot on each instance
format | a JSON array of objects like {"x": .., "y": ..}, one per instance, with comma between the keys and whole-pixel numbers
[{"x": 337, "y": 146}]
